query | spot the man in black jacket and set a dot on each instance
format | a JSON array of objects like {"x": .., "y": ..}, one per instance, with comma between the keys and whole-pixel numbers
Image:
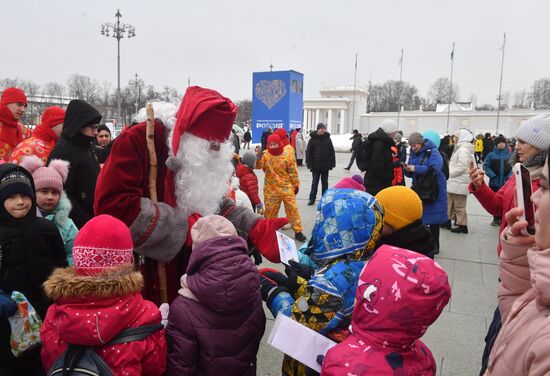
[
  {"x": 377, "y": 159},
  {"x": 320, "y": 159},
  {"x": 357, "y": 138},
  {"x": 76, "y": 146}
]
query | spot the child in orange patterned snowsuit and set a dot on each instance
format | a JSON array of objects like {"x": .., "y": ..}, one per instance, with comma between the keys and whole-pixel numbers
[{"x": 281, "y": 183}]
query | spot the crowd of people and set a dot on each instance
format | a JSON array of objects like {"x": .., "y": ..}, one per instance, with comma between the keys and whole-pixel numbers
[{"x": 139, "y": 256}]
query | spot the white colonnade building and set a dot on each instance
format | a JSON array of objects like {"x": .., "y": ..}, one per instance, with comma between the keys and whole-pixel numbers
[{"x": 340, "y": 108}]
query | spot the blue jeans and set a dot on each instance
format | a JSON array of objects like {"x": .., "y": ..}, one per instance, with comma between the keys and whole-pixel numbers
[{"x": 315, "y": 183}]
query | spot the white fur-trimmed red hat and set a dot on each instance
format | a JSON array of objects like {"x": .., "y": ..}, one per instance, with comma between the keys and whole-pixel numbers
[{"x": 103, "y": 243}]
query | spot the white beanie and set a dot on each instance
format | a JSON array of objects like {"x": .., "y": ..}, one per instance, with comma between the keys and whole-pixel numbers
[
  {"x": 389, "y": 126},
  {"x": 536, "y": 132}
]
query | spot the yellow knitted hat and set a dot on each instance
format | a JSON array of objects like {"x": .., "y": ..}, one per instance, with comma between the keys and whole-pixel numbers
[{"x": 402, "y": 206}]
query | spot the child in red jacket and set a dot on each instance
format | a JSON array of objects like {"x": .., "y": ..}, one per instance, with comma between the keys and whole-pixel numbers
[
  {"x": 399, "y": 295},
  {"x": 249, "y": 180},
  {"x": 100, "y": 297}
]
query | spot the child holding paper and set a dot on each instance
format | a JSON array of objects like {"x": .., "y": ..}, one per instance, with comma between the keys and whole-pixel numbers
[
  {"x": 216, "y": 324},
  {"x": 399, "y": 295},
  {"x": 347, "y": 227}
]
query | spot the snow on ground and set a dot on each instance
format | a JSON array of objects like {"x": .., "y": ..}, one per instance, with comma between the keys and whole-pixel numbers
[{"x": 341, "y": 142}]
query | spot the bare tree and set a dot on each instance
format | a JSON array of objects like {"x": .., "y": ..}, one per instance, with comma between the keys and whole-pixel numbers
[
  {"x": 83, "y": 87},
  {"x": 520, "y": 99},
  {"x": 386, "y": 97},
  {"x": 439, "y": 91},
  {"x": 244, "y": 114},
  {"x": 55, "y": 89},
  {"x": 540, "y": 94}
]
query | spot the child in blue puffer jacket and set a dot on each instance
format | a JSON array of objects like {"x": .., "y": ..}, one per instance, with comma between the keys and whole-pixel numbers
[{"x": 347, "y": 227}]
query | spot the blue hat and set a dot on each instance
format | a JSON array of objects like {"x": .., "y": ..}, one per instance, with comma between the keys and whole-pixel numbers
[{"x": 347, "y": 220}]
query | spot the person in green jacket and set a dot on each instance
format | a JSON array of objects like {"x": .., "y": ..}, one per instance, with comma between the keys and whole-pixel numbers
[{"x": 52, "y": 202}]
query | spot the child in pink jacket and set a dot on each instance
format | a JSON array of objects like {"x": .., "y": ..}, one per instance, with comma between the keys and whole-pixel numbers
[{"x": 399, "y": 295}]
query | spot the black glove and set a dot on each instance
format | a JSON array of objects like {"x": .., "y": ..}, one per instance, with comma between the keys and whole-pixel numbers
[
  {"x": 269, "y": 288},
  {"x": 294, "y": 271}
]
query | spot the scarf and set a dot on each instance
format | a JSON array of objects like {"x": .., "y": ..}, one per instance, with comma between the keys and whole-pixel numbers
[
  {"x": 533, "y": 164},
  {"x": 45, "y": 133},
  {"x": 10, "y": 131}
]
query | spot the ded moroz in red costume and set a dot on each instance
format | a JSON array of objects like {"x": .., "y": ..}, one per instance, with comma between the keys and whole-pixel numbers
[{"x": 160, "y": 230}]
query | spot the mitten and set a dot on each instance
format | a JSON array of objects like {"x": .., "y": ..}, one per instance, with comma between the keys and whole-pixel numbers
[
  {"x": 296, "y": 270},
  {"x": 268, "y": 287},
  {"x": 164, "y": 311},
  {"x": 264, "y": 238},
  {"x": 296, "y": 190}
]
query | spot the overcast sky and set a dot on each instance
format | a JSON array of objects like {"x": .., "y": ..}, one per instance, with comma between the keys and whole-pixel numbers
[{"x": 219, "y": 43}]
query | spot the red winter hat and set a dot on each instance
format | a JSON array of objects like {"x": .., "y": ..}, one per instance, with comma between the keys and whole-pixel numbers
[
  {"x": 284, "y": 136},
  {"x": 53, "y": 116},
  {"x": 103, "y": 243},
  {"x": 206, "y": 114},
  {"x": 274, "y": 138},
  {"x": 13, "y": 95}
]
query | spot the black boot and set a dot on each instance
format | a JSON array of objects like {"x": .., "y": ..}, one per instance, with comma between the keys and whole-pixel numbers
[
  {"x": 446, "y": 225},
  {"x": 311, "y": 202},
  {"x": 460, "y": 230},
  {"x": 434, "y": 229},
  {"x": 300, "y": 237}
]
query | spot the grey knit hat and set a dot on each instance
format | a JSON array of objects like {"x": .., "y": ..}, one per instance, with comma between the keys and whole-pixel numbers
[
  {"x": 536, "y": 132},
  {"x": 249, "y": 159},
  {"x": 416, "y": 138}
]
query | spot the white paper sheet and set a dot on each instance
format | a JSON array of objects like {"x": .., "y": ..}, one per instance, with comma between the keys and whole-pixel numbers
[
  {"x": 299, "y": 342},
  {"x": 287, "y": 248}
]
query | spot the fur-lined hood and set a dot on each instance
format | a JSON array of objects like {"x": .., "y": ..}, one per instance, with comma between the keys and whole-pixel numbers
[
  {"x": 64, "y": 283},
  {"x": 61, "y": 211}
]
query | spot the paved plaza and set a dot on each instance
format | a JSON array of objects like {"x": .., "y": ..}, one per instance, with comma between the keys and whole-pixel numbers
[{"x": 456, "y": 338}]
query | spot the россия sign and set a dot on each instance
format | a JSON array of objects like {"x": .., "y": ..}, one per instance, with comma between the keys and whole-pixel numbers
[{"x": 277, "y": 101}]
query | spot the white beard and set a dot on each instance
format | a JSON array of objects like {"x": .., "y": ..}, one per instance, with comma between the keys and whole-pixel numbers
[{"x": 203, "y": 180}]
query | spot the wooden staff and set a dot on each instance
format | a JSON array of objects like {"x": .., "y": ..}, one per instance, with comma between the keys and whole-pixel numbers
[{"x": 150, "y": 136}]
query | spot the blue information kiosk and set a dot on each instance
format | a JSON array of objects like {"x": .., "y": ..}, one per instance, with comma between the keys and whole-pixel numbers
[{"x": 277, "y": 101}]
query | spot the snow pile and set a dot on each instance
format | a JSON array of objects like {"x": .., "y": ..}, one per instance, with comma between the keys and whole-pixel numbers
[{"x": 341, "y": 142}]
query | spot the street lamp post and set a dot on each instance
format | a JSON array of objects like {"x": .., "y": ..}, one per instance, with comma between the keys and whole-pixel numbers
[{"x": 119, "y": 31}]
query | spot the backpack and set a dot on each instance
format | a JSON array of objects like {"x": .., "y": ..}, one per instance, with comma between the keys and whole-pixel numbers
[
  {"x": 426, "y": 186},
  {"x": 83, "y": 360},
  {"x": 364, "y": 155}
]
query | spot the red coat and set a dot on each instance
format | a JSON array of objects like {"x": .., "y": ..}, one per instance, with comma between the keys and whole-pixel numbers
[
  {"x": 500, "y": 202},
  {"x": 400, "y": 293},
  {"x": 248, "y": 183},
  {"x": 81, "y": 317},
  {"x": 121, "y": 184},
  {"x": 293, "y": 138}
]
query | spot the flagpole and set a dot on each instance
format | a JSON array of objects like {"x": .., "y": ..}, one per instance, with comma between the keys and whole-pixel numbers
[
  {"x": 400, "y": 87},
  {"x": 368, "y": 96},
  {"x": 354, "y": 87},
  {"x": 451, "y": 87},
  {"x": 500, "y": 86}
]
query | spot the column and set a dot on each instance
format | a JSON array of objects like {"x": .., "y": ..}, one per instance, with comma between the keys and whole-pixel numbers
[
  {"x": 343, "y": 121},
  {"x": 304, "y": 122},
  {"x": 329, "y": 121},
  {"x": 317, "y": 116}
]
